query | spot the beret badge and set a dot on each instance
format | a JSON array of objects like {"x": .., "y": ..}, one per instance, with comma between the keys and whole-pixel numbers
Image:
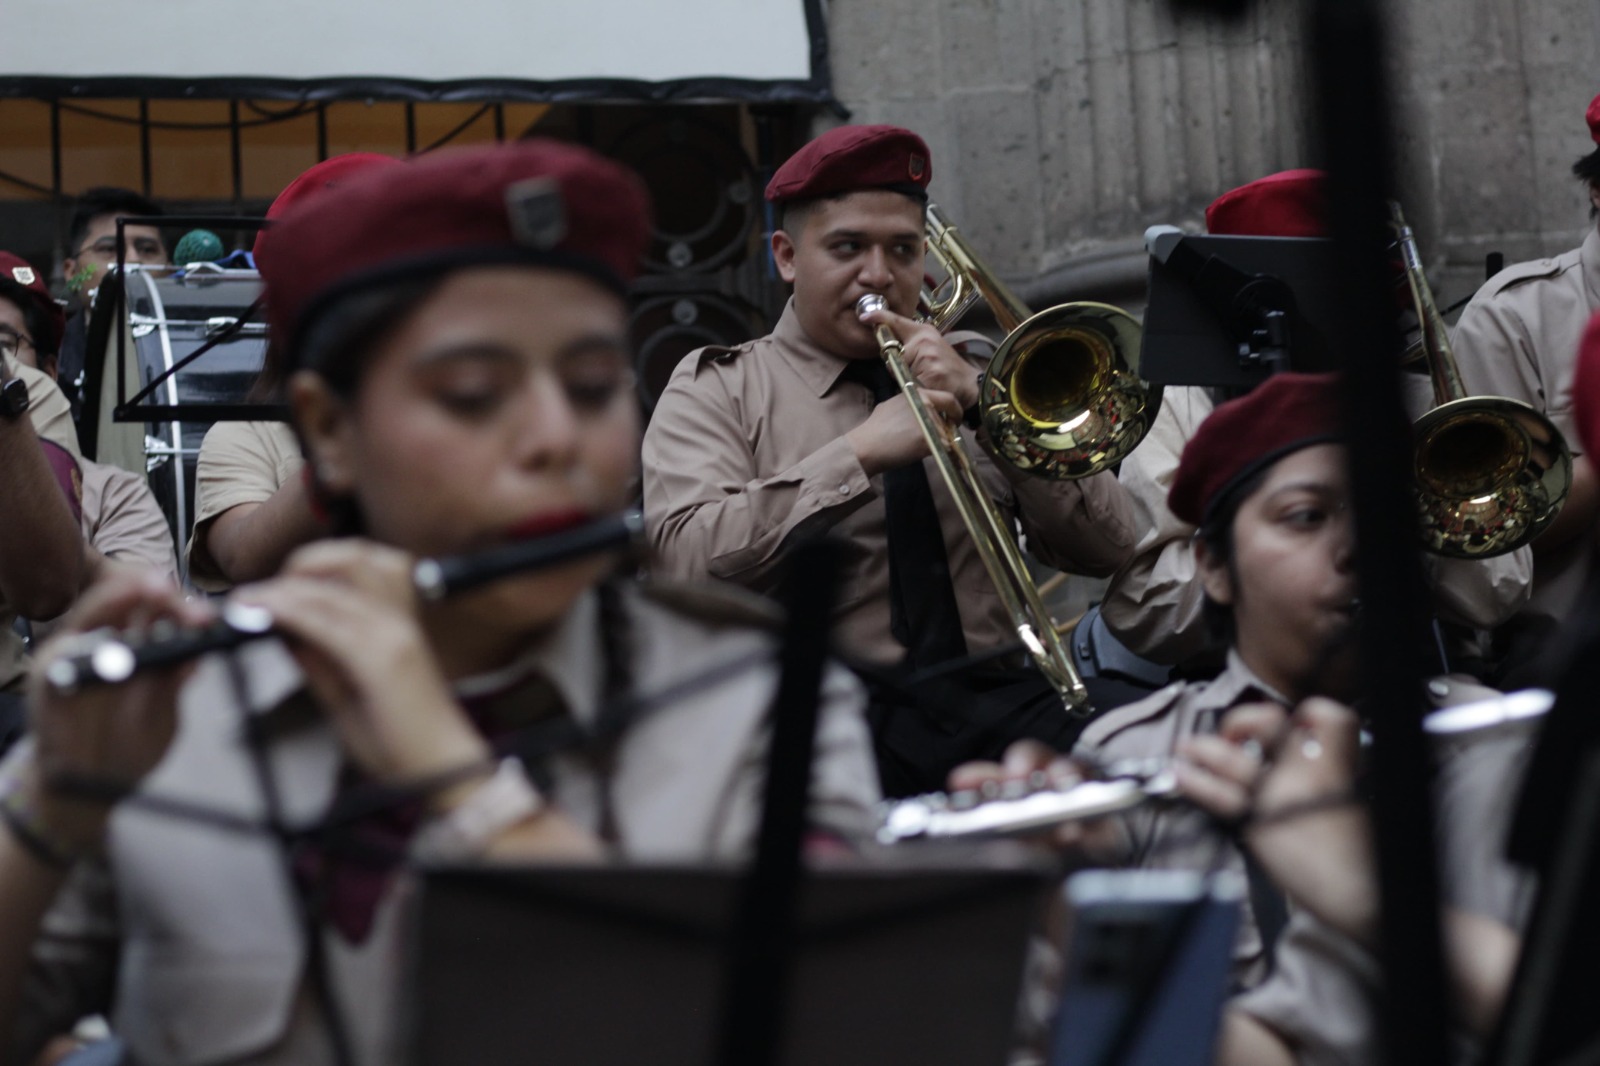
[{"x": 538, "y": 215}]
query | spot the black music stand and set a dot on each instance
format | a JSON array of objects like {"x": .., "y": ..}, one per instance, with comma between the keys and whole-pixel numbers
[
  {"x": 1195, "y": 335},
  {"x": 916, "y": 961}
]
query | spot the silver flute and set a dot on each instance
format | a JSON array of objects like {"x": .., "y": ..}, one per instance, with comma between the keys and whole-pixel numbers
[
  {"x": 109, "y": 658},
  {"x": 1038, "y": 802},
  {"x": 1026, "y": 805}
]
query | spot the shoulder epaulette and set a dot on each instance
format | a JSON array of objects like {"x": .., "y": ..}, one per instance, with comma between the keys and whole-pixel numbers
[
  {"x": 1532, "y": 270},
  {"x": 714, "y": 603},
  {"x": 719, "y": 353}
]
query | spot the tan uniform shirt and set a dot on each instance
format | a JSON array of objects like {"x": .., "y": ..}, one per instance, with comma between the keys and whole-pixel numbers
[
  {"x": 123, "y": 521},
  {"x": 51, "y": 415},
  {"x": 1322, "y": 995},
  {"x": 1153, "y": 602},
  {"x": 189, "y": 934},
  {"x": 1181, "y": 837},
  {"x": 746, "y": 451},
  {"x": 240, "y": 462},
  {"x": 1519, "y": 338}
]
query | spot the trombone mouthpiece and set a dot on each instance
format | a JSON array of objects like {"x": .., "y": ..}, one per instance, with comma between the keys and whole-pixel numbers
[{"x": 869, "y": 303}]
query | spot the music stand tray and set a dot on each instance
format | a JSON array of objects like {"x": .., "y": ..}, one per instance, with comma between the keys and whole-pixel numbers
[{"x": 597, "y": 966}]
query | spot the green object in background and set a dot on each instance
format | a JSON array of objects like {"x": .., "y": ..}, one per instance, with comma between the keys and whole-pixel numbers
[{"x": 197, "y": 246}]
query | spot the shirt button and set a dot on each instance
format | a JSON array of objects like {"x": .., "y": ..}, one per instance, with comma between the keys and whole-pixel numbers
[{"x": 844, "y": 490}]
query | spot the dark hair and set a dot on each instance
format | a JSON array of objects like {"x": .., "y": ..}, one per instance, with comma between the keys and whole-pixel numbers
[
  {"x": 1216, "y": 533},
  {"x": 41, "y": 329},
  {"x": 104, "y": 200},
  {"x": 1587, "y": 170},
  {"x": 338, "y": 346}
]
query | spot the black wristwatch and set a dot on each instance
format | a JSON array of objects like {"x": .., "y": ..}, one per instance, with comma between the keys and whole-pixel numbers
[{"x": 13, "y": 397}]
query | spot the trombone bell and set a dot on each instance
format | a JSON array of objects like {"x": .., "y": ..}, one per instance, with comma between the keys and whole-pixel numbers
[{"x": 1060, "y": 399}]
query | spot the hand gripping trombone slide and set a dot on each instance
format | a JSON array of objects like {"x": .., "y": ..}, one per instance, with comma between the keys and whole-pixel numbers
[
  {"x": 109, "y": 659},
  {"x": 991, "y": 534}
]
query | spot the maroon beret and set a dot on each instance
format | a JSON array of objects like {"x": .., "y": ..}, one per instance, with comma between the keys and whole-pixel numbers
[
  {"x": 19, "y": 271},
  {"x": 1593, "y": 118},
  {"x": 539, "y": 202},
  {"x": 1283, "y": 414},
  {"x": 850, "y": 158},
  {"x": 1291, "y": 203},
  {"x": 327, "y": 174},
  {"x": 1586, "y": 389}
]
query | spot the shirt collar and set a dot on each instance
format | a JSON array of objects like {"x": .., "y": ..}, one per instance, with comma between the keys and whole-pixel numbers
[
  {"x": 817, "y": 367},
  {"x": 571, "y": 657},
  {"x": 1235, "y": 685}
]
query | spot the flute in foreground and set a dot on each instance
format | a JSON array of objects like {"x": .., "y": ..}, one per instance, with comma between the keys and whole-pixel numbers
[
  {"x": 1025, "y": 806},
  {"x": 109, "y": 658}
]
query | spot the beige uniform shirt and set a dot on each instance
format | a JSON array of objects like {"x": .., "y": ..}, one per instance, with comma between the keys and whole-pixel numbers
[
  {"x": 123, "y": 521},
  {"x": 188, "y": 935},
  {"x": 1181, "y": 837},
  {"x": 240, "y": 462},
  {"x": 52, "y": 421},
  {"x": 1153, "y": 602},
  {"x": 1322, "y": 995},
  {"x": 746, "y": 452},
  {"x": 1519, "y": 338}
]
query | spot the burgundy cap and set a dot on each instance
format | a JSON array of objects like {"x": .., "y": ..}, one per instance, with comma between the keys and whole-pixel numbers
[
  {"x": 16, "y": 269},
  {"x": 1593, "y": 118},
  {"x": 1283, "y": 414},
  {"x": 1291, "y": 203},
  {"x": 327, "y": 174},
  {"x": 849, "y": 158},
  {"x": 539, "y": 202},
  {"x": 1586, "y": 389}
]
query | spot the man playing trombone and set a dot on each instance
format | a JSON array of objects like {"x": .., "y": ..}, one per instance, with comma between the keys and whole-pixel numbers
[{"x": 802, "y": 432}]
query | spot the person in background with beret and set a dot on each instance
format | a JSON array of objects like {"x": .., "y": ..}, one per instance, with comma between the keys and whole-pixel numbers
[
  {"x": 120, "y": 518},
  {"x": 1264, "y": 480},
  {"x": 755, "y": 447},
  {"x": 1153, "y": 603},
  {"x": 252, "y": 506},
  {"x": 43, "y": 565},
  {"x": 1518, "y": 337},
  {"x": 461, "y": 381}
]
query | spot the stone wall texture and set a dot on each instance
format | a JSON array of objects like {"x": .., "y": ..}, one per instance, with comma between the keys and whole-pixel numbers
[{"x": 1060, "y": 129}]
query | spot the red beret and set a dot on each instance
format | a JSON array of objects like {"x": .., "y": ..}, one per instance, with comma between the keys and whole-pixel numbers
[
  {"x": 1291, "y": 203},
  {"x": 15, "y": 269},
  {"x": 1593, "y": 117},
  {"x": 539, "y": 202},
  {"x": 848, "y": 158},
  {"x": 327, "y": 174},
  {"x": 1586, "y": 389},
  {"x": 1283, "y": 414}
]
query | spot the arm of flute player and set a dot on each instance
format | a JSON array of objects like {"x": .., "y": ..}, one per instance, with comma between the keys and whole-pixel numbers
[
  {"x": 1305, "y": 827},
  {"x": 115, "y": 733},
  {"x": 350, "y": 612},
  {"x": 250, "y": 541},
  {"x": 42, "y": 564}
]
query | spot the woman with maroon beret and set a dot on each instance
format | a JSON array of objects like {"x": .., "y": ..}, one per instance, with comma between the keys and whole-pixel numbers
[{"x": 461, "y": 381}]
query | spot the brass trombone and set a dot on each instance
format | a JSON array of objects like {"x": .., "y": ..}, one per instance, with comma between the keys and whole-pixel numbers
[
  {"x": 1059, "y": 400},
  {"x": 1491, "y": 472}
]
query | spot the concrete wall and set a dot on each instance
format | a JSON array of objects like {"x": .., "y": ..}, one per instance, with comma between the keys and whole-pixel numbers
[{"x": 1062, "y": 128}]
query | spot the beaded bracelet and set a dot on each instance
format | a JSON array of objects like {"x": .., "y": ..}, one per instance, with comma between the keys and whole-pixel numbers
[{"x": 25, "y": 829}]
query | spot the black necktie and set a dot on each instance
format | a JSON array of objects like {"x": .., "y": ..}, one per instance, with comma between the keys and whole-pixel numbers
[{"x": 922, "y": 603}]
